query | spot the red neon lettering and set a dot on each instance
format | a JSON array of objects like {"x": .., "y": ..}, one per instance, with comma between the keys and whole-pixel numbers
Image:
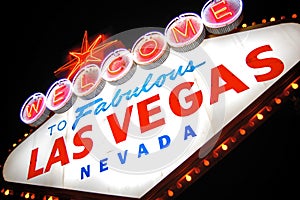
[
  {"x": 116, "y": 66},
  {"x": 86, "y": 82},
  {"x": 187, "y": 34},
  {"x": 87, "y": 143},
  {"x": 120, "y": 134},
  {"x": 35, "y": 106},
  {"x": 276, "y": 65},
  {"x": 62, "y": 157},
  {"x": 220, "y": 10},
  {"x": 32, "y": 171},
  {"x": 60, "y": 94},
  {"x": 149, "y": 49},
  {"x": 144, "y": 114},
  {"x": 195, "y": 98},
  {"x": 232, "y": 82}
]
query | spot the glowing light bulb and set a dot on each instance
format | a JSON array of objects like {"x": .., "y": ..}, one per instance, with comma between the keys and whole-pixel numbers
[
  {"x": 206, "y": 162},
  {"x": 277, "y": 100},
  {"x": 170, "y": 193},
  {"x": 294, "y": 86},
  {"x": 6, "y": 192},
  {"x": 259, "y": 116},
  {"x": 242, "y": 131},
  {"x": 27, "y": 195},
  {"x": 188, "y": 178},
  {"x": 32, "y": 196},
  {"x": 224, "y": 147}
]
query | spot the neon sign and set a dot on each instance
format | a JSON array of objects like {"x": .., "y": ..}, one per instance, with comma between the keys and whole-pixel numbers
[
  {"x": 185, "y": 32},
  {"x": 142, "y": 113},
  {"x": 34, "y": 111},
  {"x": 60, "y": 96},
  {"x": 222, "y": 16},
  {"x": 118, "y": 66}
]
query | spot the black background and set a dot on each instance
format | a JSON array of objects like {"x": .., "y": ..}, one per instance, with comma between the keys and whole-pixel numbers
[{"x": 38, "y": 36}]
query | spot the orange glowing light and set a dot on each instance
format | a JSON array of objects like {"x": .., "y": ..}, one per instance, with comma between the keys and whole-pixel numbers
[
  {"x": 170, "y": 193},
  {"x": 242, "y": 131},
  {"x": 277, "y": 100},
  {"x": 206, "y": 162}
]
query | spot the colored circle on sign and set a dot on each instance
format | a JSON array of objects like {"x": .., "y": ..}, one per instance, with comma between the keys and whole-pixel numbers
[
  {"x": 118, "y": 66},
  {"x": 34, "y": 111},
  {"x": 88, "y": 82},
  {"x": 221, "y": 17},
  {"x": 186, "y": 32},
  {"x": 150, "y": 50},
  {"x": 60, "y": 96}
]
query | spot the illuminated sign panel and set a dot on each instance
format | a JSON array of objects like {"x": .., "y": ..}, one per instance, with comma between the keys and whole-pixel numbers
[{"x": 126, "y": 138}]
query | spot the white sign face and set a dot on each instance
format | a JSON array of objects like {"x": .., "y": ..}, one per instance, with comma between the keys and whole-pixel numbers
[{"x": 132, "y": 135}]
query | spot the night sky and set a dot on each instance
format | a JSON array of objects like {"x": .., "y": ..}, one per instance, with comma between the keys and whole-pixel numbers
[{"x": 37, "y": 39}]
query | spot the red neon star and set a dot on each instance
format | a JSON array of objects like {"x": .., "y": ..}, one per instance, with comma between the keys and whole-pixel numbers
[
  {"x": 84, "y": 56},
  {"x": 94, "y": 53}
]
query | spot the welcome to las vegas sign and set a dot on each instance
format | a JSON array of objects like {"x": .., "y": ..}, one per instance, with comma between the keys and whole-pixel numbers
[{"x": 121, "y": 126}]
